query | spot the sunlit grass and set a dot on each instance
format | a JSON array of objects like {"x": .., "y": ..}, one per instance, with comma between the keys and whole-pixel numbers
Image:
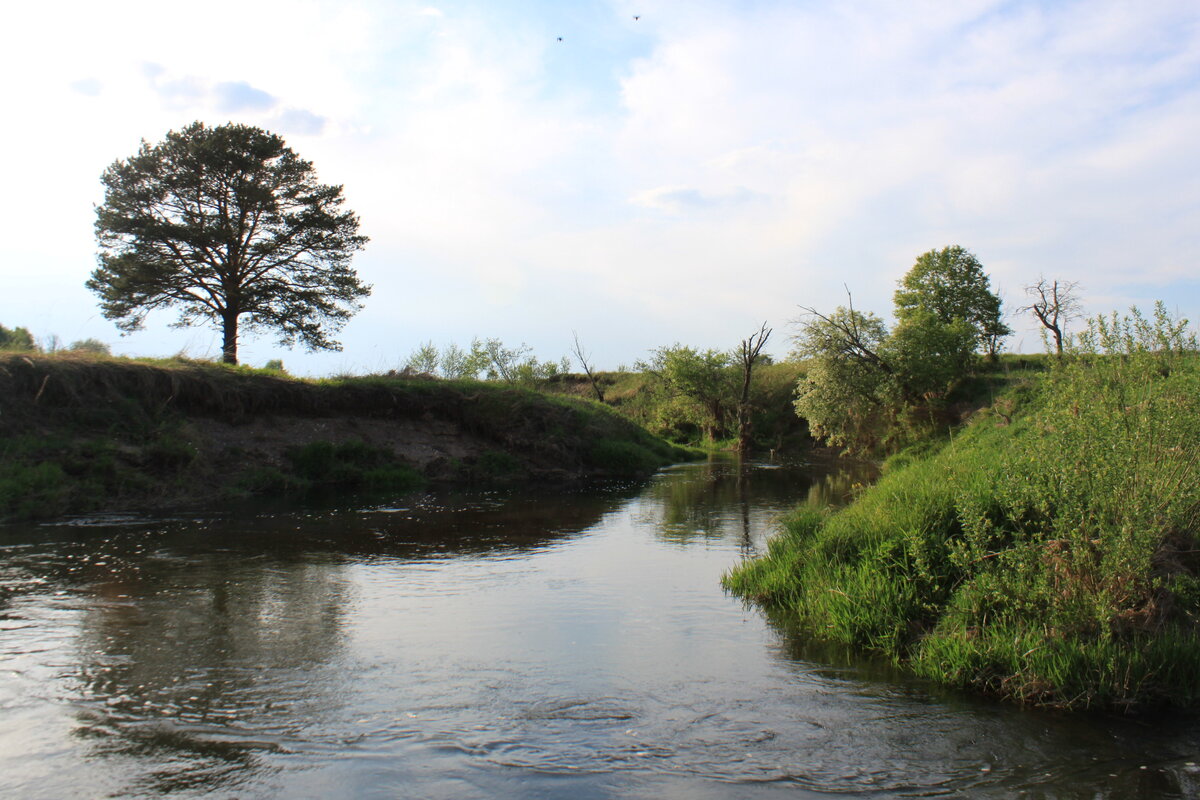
[{"x": 1047, "y": 554}]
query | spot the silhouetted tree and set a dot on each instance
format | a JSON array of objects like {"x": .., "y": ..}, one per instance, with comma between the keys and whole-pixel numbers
[{"x": 227, "y": 223}]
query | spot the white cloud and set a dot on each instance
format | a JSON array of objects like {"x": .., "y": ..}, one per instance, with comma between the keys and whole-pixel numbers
[
  {"x": 240, "y": 96},
  {"x": 297, "y": 120},
  {"x": 679, "y": 178}
]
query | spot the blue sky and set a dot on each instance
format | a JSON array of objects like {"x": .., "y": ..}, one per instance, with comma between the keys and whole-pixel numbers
[{"x": 680, "y": 177}]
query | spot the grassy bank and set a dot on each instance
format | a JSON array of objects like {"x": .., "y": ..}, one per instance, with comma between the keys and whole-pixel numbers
[
  {"x": 81, "y": 434},
  {"x": 1047, "y": 554}
]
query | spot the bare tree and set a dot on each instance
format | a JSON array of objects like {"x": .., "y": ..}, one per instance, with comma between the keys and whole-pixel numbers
[
  {"x": 582, "y": 355},
  {"x": 748, "y": 354},
  {"x": 1054, "y": 304}
]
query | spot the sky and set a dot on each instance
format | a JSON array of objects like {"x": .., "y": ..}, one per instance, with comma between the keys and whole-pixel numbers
[{"x": 669, "y": 171}]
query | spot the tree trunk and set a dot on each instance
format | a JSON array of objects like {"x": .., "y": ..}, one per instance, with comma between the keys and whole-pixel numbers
[
  {"x": 750, "y": 350},
  {"x": 229, "y": 327},
  {"x": 743, "y": 410}
]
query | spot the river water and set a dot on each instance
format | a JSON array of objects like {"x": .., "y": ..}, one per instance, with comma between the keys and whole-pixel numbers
[{"x": 492, "y": 645}]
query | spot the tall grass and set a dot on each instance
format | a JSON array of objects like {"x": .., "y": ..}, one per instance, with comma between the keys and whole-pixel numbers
[{"x": 1048, "y": 554}]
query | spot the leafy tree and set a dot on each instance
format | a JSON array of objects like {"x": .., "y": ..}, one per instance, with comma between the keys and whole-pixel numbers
[
  {"x": 951, "y": 284},
  {"x": 424, "y": 360},
  {"x": 861, "y": 377},
  {"x": 16, "y": 339},
  {"x": 501, "y": 363},
  {"x": 701, "y": 378},
  {"x": 928, "y": 355},
  {"x": 226, "y": 223},
  {"x": 457, "y": 363},
  {"x": 515, "y": 365},
  {"x": 843, "y": 396}
]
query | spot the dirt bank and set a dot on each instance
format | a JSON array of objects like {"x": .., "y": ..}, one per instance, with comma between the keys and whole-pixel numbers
[{"x": 85, "y": 434}]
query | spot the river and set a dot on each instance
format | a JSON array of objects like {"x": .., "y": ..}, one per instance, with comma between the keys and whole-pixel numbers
[{"x": 493, "y": 645}]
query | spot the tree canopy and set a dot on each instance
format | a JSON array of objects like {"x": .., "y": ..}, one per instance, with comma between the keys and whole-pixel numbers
[
  {"x": 16, "y": 339},
  {"x": 950, "y": 283},
  {"x": 225, "y": 223},
  {"x": 863, "y": 379},
  {"x": 700, "y": 378}
]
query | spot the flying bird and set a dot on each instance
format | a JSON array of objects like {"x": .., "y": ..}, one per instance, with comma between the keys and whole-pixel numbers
[
  {"x": 560, "y": 38},
  {"x": 636, "y": 17}
]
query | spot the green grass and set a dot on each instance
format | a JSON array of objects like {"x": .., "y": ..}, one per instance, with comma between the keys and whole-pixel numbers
[
  {"x": 1047, "y": 554},
  {"x": 118, "y": 433},
  {"x": 350, "y": 464}
]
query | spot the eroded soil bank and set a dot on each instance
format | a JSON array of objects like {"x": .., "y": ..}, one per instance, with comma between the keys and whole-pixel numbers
[{"x": 82, "y": 435}]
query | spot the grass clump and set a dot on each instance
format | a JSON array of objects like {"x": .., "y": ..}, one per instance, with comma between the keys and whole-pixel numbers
[
  {"x": 622, "y": 457},
  {"x": 1049, "y": 554},
  {"x": 350, "y": 464}
]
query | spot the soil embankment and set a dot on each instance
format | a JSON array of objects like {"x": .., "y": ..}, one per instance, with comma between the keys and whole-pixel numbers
[{"x": 82, "y": 435}]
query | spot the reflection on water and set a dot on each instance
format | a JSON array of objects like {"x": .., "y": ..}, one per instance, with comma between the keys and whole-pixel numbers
[
  {"x": 507, "y": 645},
  {"x": 707, "y": 501}
]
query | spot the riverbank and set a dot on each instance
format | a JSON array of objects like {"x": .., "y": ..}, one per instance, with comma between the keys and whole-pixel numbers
[
  {"x": 82, "y": 434},
  {"x": 1048, "y": 554}
]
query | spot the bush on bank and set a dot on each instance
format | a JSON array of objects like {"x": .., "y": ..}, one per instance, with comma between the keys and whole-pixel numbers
[{"x": 1048, "y": 554}]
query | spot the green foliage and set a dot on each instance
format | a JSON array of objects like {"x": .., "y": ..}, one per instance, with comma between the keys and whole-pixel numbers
[
  {"x": 622, "y": 457},
  {"x": 27, "y": 490},
  {"x": 221, "y": 223},
  {"x": 928, "y": 355},
  {"x": 424, "y": 360},
  {"x": 457, "y": 364},
  {"x": 91, "y": 346},
  {"x": 169, "y": 452},
  {"x": 350, "y": 464},
  {"x": 17, "y": 339},
  {"x": 266, "y": 480},
  {"x": 1048, "y": 554},
  {"x": 867, "y": 387},
  {"x": 43, "y": 476},
  {"x": 702, "y": 383},
  {"x": 516, "y": 366},
  {"x": 497, "y": 465},
  {"x": 844, "y": 393},
  {"x": 950, "y": 284}
]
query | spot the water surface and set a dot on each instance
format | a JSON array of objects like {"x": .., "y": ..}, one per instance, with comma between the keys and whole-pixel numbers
[{"x": 492, "y": 645}]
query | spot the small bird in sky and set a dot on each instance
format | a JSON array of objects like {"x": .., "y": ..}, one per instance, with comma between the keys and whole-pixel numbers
[
  {"x": 636, "y": 17},
  {"x": 560, "y": 38}
]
